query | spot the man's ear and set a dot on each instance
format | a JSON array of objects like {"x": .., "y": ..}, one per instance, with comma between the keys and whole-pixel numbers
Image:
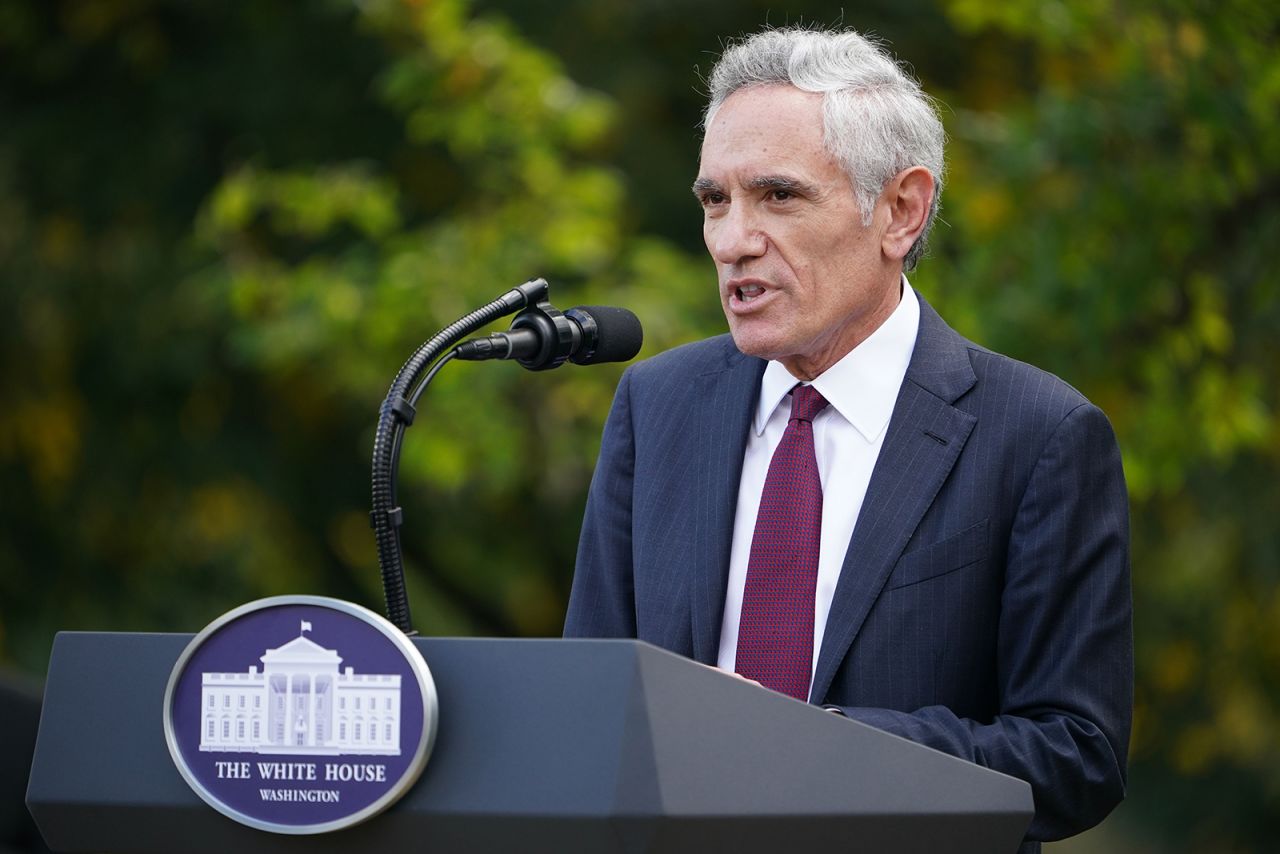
[{"x": 907, "y": 196}]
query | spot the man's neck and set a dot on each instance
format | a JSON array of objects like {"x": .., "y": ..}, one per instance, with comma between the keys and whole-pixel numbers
[{"x": 808, "y": 367}]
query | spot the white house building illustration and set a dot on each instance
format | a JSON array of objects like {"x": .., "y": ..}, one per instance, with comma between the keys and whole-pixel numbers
[{"x": 300, "y": 703}]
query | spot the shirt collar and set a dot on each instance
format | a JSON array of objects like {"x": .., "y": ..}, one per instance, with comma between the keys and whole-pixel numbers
[{"x": 862, "y": 386}]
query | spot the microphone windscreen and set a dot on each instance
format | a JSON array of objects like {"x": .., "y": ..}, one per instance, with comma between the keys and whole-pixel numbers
[{"x": 618, "y": 334}]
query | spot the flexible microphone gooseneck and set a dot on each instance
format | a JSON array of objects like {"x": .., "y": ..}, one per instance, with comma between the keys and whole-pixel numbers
[{"x": 541, "y": 338}]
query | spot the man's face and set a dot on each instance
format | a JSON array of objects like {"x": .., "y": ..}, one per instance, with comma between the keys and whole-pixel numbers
[{"x": 801, "y": 279}]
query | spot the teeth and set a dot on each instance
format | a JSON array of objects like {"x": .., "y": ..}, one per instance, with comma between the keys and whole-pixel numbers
[{"x": 749, "y": 292}]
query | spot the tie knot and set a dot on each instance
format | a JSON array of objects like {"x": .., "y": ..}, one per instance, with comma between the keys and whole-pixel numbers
[{"x": 806, "y": 402}]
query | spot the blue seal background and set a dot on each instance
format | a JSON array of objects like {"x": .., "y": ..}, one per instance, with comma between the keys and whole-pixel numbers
[{"x": 233, "y": 648}]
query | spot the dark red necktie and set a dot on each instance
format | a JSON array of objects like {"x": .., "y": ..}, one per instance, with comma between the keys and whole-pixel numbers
[{"x": 775, "y": 635}]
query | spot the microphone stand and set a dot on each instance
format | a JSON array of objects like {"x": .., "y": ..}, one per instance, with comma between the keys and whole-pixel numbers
[{"x": 397, "y": 414}]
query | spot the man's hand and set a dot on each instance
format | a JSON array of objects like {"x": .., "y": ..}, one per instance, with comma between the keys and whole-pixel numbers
[{"x": 739, "y": 676}]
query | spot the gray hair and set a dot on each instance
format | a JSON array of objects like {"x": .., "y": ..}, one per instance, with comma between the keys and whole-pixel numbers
[{"x": 877, "y": 121}]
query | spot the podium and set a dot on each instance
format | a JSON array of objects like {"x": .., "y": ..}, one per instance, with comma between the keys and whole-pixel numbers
[{"x": 543, "y": 746}]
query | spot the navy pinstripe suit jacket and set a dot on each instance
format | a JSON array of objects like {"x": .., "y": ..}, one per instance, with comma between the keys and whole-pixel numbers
[{"x": 983, "y": 607}]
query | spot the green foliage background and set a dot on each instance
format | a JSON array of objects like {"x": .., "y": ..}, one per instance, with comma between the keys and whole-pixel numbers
[{"x": 224, "y": 226}]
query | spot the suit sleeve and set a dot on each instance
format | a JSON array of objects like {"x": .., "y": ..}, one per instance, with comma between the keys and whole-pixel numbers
[
  {"x": 602, "y": 601},
  {"x": 1065, "y": 640}
]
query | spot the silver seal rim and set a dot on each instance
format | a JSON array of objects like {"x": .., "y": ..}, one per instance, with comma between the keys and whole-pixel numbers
[{"x": 426, "y": 685}]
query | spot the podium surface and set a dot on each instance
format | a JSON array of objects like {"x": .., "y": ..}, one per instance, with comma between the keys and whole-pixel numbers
[{"x": 543, "y": 745}]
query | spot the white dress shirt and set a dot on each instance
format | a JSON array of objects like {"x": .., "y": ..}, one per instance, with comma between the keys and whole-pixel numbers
[{"x": 861, "y": 390}]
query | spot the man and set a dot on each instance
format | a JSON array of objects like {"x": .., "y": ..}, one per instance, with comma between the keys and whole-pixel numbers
[{"x": 846, "y": 501}]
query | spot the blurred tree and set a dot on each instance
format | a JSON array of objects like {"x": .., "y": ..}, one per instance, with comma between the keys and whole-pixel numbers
[
  {"x": 221, "y": 231},
  {"x": 223, "y": 227},
  {"x": 148, "y": 476}
]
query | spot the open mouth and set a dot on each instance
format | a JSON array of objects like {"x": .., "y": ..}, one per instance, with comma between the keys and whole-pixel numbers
[{"x": 746, "y": 293}]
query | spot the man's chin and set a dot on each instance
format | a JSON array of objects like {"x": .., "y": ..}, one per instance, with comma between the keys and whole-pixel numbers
[
  {"x": 771, "y": 349},
  {"x": 753, "y": 345}
]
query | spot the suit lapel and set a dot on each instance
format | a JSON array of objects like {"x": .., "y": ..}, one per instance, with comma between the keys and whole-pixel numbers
[
  {"x": 924, "y": 439},
  {"x": 725, "y": 403}
]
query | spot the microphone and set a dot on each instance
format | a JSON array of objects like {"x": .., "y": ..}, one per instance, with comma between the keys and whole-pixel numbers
[{"x": 542, "y": 338}]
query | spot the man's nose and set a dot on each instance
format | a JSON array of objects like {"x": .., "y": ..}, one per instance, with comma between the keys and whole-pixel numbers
[{"x": 734, "y": 236}]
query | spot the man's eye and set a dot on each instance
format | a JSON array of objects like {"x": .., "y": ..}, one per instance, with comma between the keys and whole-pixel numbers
[
  {"x": 712, "y": 199},
  {"x": 781, "y": 195}
]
